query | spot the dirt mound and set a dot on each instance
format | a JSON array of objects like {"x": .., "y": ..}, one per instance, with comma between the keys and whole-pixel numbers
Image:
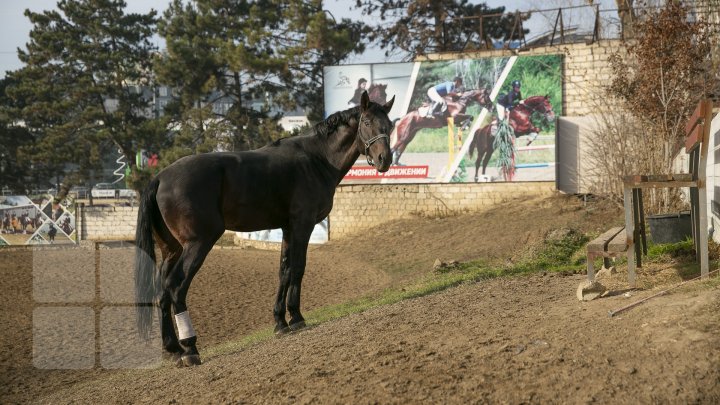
[{"x": 524, "y": 339}]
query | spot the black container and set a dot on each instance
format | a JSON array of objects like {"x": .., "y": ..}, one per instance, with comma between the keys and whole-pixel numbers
[{"x": 670, "y": 228}]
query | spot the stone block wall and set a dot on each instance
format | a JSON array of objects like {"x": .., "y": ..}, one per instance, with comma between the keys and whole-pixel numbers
[
  {"x": 106, "y": 223},
  {"x": 359, "y": 207},
  {"x": 356, "y": 207}
]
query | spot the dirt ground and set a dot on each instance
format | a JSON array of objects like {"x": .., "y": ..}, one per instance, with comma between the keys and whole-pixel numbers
[{"x": 509, "y": 340}]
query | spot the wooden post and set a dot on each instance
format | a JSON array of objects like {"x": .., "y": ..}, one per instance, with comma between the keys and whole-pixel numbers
[
  {"x": 701, "y": 206},
  {"x": 451, "y": 141},
  {"x": 630, "y": 233}
]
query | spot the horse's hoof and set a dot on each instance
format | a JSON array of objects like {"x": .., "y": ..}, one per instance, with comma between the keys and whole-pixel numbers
[
  {"x": 172, "y": 356},
  {"x": 280, "y": 331},
  {"x": 297, "y": 326},
  {"x": 189, "y": 360}
]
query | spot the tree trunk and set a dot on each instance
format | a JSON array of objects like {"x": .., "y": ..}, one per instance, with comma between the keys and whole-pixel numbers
[
  {"x": 627, "y": 18},
  {"x": 439, "y": 15}
]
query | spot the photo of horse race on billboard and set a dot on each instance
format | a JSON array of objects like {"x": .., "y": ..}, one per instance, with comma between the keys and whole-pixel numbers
[
  {"x": 24, "y": 222},
  {"x": 466, "y": 120}
]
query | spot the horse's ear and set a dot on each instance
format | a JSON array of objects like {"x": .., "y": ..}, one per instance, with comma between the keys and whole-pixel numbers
[
  {"x": 389, "y": 105},
  {"x": 364, "y": 101}
]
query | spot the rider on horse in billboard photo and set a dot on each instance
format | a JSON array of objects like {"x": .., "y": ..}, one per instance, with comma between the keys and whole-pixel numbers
[
  {"x": 438, "y": 93},
  {"x": 509, "y": 100}
]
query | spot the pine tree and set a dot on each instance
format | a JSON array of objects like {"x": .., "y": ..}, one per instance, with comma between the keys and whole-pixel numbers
[
  {"x": 84, "y": 67},
  {"x": 15, "y": 171},
  {"x": 236, "y": 52},
  {"x": 420, "y": 27}
]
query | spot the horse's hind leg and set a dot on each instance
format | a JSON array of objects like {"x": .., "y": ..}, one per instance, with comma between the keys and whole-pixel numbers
[
  {"x": 171, "y": 345},
  {"x": 171, "y": 251},
  {"x": 178, "y": 283},
  {"x": 489, "y": 149}
]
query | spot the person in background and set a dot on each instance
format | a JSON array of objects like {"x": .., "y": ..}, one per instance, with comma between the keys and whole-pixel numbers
[{"x": 355, "y": 100}]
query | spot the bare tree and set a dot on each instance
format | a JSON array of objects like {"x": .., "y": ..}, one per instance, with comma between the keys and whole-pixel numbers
[
  {"x": 657, "y": 82},
  {"x": 627, "y": 17}
]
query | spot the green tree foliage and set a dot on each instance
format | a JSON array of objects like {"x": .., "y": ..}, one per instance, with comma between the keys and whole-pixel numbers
[
  {"x": 14, "y": 169},
  {"x": 419, "y": 27},
  {"x": 84, "y": 65},
  {"x": 248, "y": 55},
  {"x": 310, "y": 40}
]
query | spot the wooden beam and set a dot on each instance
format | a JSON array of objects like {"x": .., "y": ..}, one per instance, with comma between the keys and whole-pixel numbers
[
  {"x": 697, "y": 116},
  {"x": 694, "y": 138}
]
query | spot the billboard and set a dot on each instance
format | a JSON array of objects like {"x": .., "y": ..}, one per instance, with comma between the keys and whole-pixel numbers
[
  {"x": 459, "y": 121},
  {"x": 42, "y": 222}
]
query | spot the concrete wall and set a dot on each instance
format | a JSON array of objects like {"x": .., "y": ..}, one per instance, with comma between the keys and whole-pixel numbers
[{"x": 356, "y": 207}]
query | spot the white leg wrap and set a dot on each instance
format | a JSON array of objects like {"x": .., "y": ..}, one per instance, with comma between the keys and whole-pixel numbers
[{"x": 184, "y": 326}]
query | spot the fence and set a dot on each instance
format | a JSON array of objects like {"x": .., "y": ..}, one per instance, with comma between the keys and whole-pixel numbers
[{"x": 565, "y": 25}]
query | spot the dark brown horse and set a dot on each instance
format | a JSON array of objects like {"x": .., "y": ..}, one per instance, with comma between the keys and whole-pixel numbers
[
  {"x": 521, "y": 123},
  {"x": 377, "y": 93},
  {"x": 414, "y": 121},
  {"x": 289, "y": 184}
]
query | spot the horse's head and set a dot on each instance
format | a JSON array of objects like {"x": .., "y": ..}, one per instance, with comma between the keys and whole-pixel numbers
[
  {"x": 540, "y": 104},
  {"x": 373, "y": 136},
  {"x": 481, "y": 96},
  {"x": 377, "y": 93}
]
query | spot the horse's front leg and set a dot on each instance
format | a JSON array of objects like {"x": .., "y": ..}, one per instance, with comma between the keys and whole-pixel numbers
[
  {"x": 534, "y": 132},
  {"x": 463, "y": 119},
  {"x": 281, "y": 325},
  {"x": 400, "y": 148},
  {"x": 298, "y": 258}
]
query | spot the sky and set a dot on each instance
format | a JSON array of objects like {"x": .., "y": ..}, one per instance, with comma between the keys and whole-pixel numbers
[{"x": 15, "y": 27}]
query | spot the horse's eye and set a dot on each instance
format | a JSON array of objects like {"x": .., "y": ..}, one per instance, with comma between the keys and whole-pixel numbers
[{"x": 366, "y": 122}]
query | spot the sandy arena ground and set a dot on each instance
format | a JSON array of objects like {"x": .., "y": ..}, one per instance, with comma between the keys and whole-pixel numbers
[{"x": 508, "y": 340}]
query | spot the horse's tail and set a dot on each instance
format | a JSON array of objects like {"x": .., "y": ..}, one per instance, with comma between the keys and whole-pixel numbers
[{"x": 147, "y": 278}]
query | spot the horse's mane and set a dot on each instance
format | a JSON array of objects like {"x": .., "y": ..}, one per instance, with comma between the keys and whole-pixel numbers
[
  {"x": 471, "y": 93},
  {"x": 533, "y": 99},
  {"x": 331, "y": 123},
  {"x": 326, "y": 126}
]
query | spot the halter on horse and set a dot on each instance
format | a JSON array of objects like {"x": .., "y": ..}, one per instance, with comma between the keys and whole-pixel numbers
[
  {"x": 411, "y": 123},
  {"x": 519, "y": 120},
  {"x": 191, "y": 203}
]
